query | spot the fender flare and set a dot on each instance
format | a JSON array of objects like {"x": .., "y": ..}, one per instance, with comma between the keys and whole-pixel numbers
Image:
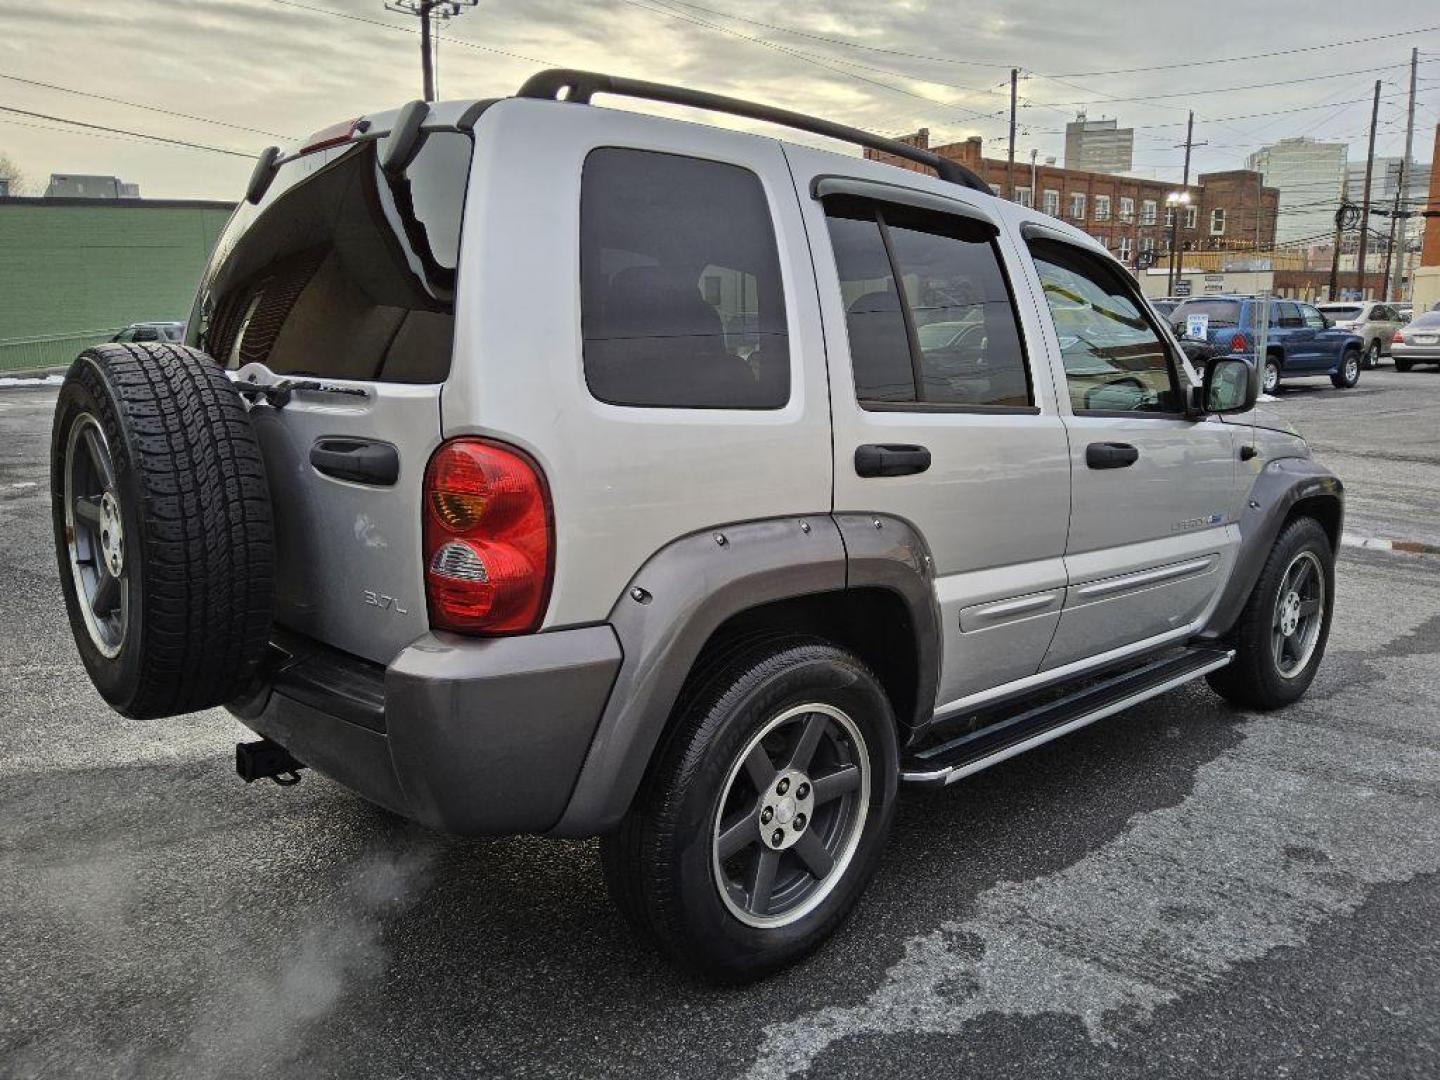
[
  {"x": 1280, "y": 485},
  {"x": 689, "y": 588}
]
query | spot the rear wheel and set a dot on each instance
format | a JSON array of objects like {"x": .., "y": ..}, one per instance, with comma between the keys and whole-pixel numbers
[
  {"x": 1280, "y": 637},
  {"x": 1349, "y": 373},
  {"x": 1372, "y": 355},
  {"x": 1404, "y": 365},
  {"x": 1270, "y": 377},
  {"x": 764, "y": 815},
  {"x": 162, "y": 528}
]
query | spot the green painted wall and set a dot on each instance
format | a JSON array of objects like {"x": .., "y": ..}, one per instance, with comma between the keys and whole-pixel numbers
[{"x": 68, "y": 267}]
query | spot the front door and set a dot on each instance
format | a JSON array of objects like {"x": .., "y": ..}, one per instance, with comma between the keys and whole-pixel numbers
[
  {"x": 1154, "y": 500},
  {"x": 928, "y": 349}
]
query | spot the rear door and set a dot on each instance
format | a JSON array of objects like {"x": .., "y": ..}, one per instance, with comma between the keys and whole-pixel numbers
[
  {"x": 929, "y": 350},
  {"x": 341, "y": 283},
  {"x": 1295, "y": 337},
  {"x": 1153, "y": 493}
]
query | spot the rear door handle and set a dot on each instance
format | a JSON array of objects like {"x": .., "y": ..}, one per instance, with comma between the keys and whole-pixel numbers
[
  {"x": 890, "y": 459},
  {"x": 361, "y": 461},
  {"x": 1111, "y": 455}
]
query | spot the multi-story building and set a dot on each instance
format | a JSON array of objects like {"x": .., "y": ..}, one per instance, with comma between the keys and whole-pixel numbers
[
  {"x": 1099, "y": 146},
  {"x": 76, "y": 186},
  {"x": 1310, "y": 176},
  {"x": 1225, "y": 211}
]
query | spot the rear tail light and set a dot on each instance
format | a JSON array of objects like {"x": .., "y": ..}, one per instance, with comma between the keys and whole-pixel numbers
[
  {"x": 1399, "y": 338},
  {"x": 333, "y": 135},
  {"x": 1238, "y": 343},
  {"x": 489, "y": 539}
]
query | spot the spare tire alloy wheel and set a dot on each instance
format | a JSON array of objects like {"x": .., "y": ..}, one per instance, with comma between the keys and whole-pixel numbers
[
  {"x": 163, "y": 529},
  {"x": 784, "y": 834},
  {"x": 95, "y": 535}
]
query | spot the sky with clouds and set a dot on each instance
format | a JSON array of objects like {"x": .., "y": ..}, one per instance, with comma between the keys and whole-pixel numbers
[{"x": 248, "y": 71}]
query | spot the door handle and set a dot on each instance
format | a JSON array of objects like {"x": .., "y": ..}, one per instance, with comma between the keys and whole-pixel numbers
[
  {"x": 361, "y": 461},
  {"x": 890, "y": 459},
  {"x": 1111, "y": 455}
]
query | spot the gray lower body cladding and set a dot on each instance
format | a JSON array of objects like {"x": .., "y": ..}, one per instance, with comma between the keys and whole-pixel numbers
[{"x": 470, "y": 736}]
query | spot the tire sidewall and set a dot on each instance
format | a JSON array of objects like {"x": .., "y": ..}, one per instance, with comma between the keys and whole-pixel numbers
[
  {"x": 1344, "y": 377},
  {"x": 86, "y": 390},
  {"x": 817, "y": 674}
]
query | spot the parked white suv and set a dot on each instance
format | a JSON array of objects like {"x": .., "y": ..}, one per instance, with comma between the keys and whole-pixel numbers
[
  {"x": 542, "y": 468},
  {"x": 1372, "y": 320}
]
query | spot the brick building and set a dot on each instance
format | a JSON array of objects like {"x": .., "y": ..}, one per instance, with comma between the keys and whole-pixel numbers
[
  {"x": 1426, "y": 292},
  {"x": 1228, "y": 211}
]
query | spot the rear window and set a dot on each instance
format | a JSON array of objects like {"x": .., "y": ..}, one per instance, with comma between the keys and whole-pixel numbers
[
  {"x": 1430, "y": 320},
  {"x": 343, "y": 272},
  {"x": 1341, "y": 311},
  {"x": 1221, "y": 312},
  {"x": 681, "y": 302}
]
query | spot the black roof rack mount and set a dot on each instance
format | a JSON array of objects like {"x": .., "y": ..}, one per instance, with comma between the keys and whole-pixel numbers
[{"x": 582, "y": 85}]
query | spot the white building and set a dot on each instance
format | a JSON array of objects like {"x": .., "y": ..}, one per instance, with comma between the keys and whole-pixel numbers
[
  {"x": 1099, "y": 146},
  {"x": 1311, "y": 179}
]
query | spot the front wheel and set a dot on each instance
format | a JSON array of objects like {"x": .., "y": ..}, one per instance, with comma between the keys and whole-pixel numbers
[
  {"x": 1349, "y": 373},
  {"x": 1280, "y": 637},
  {"x": 761, "y": 821}
]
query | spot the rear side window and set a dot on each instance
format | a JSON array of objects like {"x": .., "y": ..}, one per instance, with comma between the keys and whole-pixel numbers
[
  {"x": 343, "y": 272},
  {"x": 1219, "y": 312},
  {"x": 681, "y": 303},
  {"x": 928, "y": 309}
]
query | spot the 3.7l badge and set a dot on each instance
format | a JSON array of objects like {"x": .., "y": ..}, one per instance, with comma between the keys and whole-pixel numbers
[{"x": 384, "y": 603}]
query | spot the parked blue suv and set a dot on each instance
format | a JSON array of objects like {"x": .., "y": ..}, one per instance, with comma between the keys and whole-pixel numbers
[{"x": 1300, "y": 341}]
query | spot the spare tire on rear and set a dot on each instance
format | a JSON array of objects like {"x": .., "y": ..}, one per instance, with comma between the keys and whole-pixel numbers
[{"x": 162, "y": 528}]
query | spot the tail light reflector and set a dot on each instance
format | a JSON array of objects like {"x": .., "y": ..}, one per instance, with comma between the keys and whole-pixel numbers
[
  {"x": 1238, "y": 343},
  {"x": 488, "y": 539},
  {"x": 1399, "y": 338},
  {"x": 333, "y": 135}
]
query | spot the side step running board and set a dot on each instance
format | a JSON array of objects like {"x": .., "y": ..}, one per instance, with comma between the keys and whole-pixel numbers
[{"x": 970, "y": 753}]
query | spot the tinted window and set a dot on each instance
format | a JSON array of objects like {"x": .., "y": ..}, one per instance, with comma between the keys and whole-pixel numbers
[
  {"x": 1313, "y": 319},
  {"x": 681, "y": 302},
  {"x": 1287, "y": 316},
  {"x": 961, "y": 345},
  {"x": 1221, "y": 312},
  {"x": 147, "y": 333},
  {"x": 1114, "y": 359},
  {"x": 1345, "y": 311},
  {"x": 343, "y": 271}
]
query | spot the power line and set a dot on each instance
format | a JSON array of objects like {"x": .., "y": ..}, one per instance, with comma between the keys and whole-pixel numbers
[
  {"x": 413, "y": 30},
  {"x": 124, "y": 131},
  {"x": 140, "y": 105}
]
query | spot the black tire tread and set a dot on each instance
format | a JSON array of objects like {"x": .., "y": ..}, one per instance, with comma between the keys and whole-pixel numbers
[{"x": 206, "y": 525}]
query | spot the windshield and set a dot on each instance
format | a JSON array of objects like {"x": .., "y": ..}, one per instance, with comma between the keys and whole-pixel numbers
[
  {"x": 1219, "y": 312},
  {"x": 1342, "y": 311},
  {"x": 342, "y": 271}
]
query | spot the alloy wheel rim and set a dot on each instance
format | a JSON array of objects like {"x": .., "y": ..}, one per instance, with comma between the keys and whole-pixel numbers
[
  {"x": 95, "y": 536},
  {"x": 1272, "y": 377},
  {"x": 1299, "y": 614},
  {"x": 1352, "y": 368},
  {"x": 790, "y": 815}
]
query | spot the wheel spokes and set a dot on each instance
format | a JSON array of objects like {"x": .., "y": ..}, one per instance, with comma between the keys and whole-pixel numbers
[
  {"x": 813, "y": 854},
  {"x": 760, "y": 769},
  {"x": 832, "y": 785},
  {"x": 1309, "y": 607},
  {"x": 107, "y": 594},
  {"x": 809, "y": 739},
  {"x": 734, "y": 838},
  {"x": 762, "y": 882},
  {"x": 1302, "y": 575},
  {"x": 87, "y": 510},
  {"x": 99, "y": 459}
]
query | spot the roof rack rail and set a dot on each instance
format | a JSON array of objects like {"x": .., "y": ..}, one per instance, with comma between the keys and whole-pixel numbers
[{"x": 582, "y": 85}]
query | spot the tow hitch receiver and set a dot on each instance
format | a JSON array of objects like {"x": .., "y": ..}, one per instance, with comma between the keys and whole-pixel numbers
[{"x": 257, "y": 760}]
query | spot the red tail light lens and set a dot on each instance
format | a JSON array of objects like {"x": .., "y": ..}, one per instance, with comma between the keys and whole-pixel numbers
[
  {"x": 1399, "y": 338},
  {"x": 333, "y": 135},
  {"x": 1238, "y": 343},
  {"x": 489, "y": 542}
]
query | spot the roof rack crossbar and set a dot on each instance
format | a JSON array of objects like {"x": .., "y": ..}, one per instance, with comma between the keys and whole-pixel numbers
[{"x": 582, "y": 85}]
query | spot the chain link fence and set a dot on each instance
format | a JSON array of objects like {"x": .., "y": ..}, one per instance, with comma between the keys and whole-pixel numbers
[{"x": 49, "y": 351}]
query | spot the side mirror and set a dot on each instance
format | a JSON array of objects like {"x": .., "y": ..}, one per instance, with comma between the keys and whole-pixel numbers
[{"x": 1231, "y": 385}]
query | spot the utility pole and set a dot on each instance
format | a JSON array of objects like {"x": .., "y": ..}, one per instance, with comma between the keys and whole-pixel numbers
[
  {"x": 1365, "y": 198},
  {"x": 1010, "y": 168},
  {"x": 1034, "y": 180},
  {"x": 1334, "y": 285},
  {"x": 1394, "y": 219},
  {"x": 1177, "y": 263},
  {"x": 427, "y": 11},
  {"x": 1403, "y": 194}
]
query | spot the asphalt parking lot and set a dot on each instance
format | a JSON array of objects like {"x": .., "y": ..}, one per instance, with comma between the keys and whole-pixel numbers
[{"x": 1183, "y": 890}]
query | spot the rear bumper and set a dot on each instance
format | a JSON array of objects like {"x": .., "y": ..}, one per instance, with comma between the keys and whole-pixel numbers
[
  {"x": 1421, "y": 354},
  {"x": 471, "y": 736}
]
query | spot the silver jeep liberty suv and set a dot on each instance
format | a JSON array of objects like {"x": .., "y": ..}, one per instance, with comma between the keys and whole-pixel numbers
[{"x": 535, "y": 467}]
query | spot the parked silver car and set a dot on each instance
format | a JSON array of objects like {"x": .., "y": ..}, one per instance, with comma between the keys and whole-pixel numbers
[
  {"x": 1418, "y": 342},
  {"x": 1372, "y": 320},
  {"x": 540, "y": 468}
]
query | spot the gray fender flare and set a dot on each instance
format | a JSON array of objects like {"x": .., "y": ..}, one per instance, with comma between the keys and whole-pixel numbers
[
  {"x": 1281, "y": 484},
  {"x": 689, "y": 588}
]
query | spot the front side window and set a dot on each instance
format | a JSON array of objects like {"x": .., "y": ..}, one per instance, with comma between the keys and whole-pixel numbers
[
  {"x": 1313, "y": 319},
  {"x": 928, "y": 310},
  {"x": 1114, "y": 359},
  {"x": 681, "y": 303}
]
